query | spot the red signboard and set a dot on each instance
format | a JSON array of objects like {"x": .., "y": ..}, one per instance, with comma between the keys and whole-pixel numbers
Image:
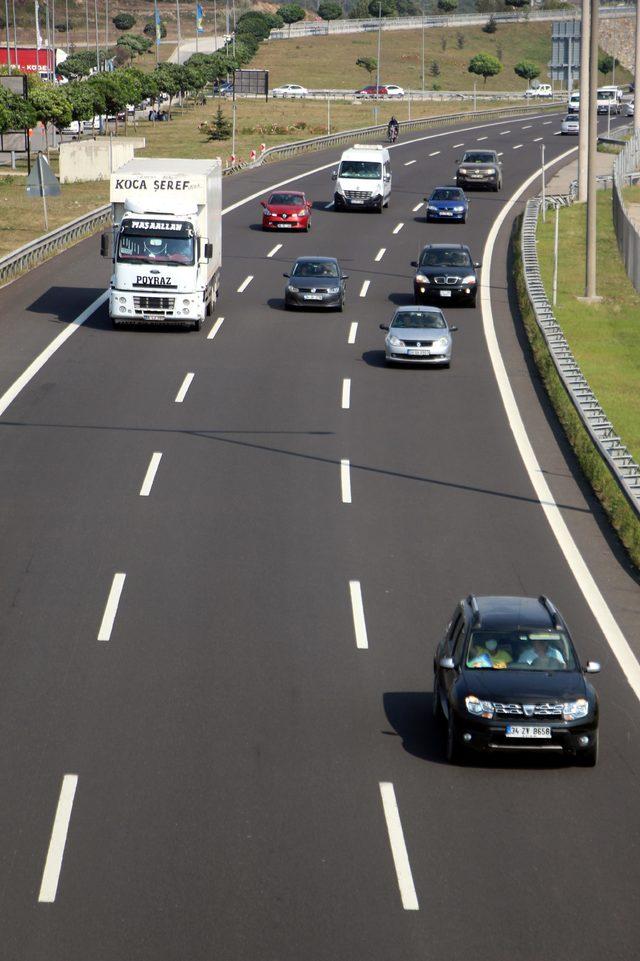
[{"x": 30, "y": 59}]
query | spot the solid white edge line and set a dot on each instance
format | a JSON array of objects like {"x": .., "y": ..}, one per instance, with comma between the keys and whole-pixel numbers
[
  {"x": 357, "y": 612},
  {"x": 409, "y": 162},
  {"x": 378, "y": 257},
  {"x": 576, "y": 563},
  {"x": 184, "y": 387},
  {"x": 18, "y": 385},
  {"x": 353, "y": 330},
  {"x": 346, "y": 393},
  {"x": 274, "y": 250},
  {"x": 245, "y": 283},
  {"x": 398, "y": 847},
  {"x": 364, "y": 288},
  {"x": 53, "y": 863},
  {"x": 111, "y": 607},
  {"x": 216, "y": 327},
  {"x": 150, "y": 476},
  {"x": 345, "y": 481},
  {"x": 398, "y": 228}
]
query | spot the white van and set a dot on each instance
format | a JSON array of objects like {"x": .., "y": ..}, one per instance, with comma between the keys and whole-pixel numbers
[
  {"x": 363, "y": 178},
  {"x": 574, "y": 102},
  {"x": 609, "y": 99}
]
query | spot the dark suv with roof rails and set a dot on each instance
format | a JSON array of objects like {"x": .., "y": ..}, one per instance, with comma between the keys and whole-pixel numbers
[
  {"x": 507, "y": 678},
  {"x": 445, "y": 273}
]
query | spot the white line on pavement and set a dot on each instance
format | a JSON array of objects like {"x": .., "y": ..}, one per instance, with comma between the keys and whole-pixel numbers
[
  {"x": 274, "y": 250},
  {"x": 53, "y": 864},
  {"x": 501, "y": 153},
  {"x": 216, "y": 327},
  {"x": 345, "y": 481},
  {"x": 326, "y": 206},
  {"x": 346, "y": 393},
  {"x": 537, "y": 139},
  {"x": 453, "y": 146},
  {"x": 409, "y": 162},
  {"x": 546, "y": 123},
  {"x": 517, "y": 146},
  {"x": 150, "y": 476},
  {"x": 577, "y": 564},
  {"x": 364, "y": 288},
  {"x": 398, "y": 228},
  {"x": 378, "y": 257},
  {"x": 417, "y": 207},
  {"x": 353, "y": 330},
  {"x": 398, "y": 847},
  {"x": 528, "y": 127},
  {"x": 186, "y": 384},
  {"x": 111, "y": 607},
  {"x": 357, "y": 610},
  {"x": 481, "y": 138},
  {"x": 245, "y": 283},
  {"x": 557, "y": 133},
  {"x": 435, "y": 153},
  {"x": 503, "y": 132}
]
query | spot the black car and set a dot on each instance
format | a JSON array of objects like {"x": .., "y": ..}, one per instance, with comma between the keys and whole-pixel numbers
[
  {"x": 479, "y": 168},
  {"x": 315, "y": 282},
  {"x": 507, "y": 677},
  {"x": 445, "y": 273}
]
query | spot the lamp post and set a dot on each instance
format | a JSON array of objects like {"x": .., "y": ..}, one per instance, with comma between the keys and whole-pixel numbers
[
  {"x": 378, "y": 60},
  {"x": 423, "y": 48},
  {"x": 583, "y": 114},
  {"x": 636, "y": 74},
  {"x": 179, "y": 33},
  {"x": 590, "y": 266},
  {"x": 6, "y": 23}
]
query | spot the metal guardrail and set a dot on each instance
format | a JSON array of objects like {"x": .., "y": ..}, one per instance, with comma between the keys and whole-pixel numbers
[
  {"x": 627, "y": 234},
  {"x": 621, "y": 463},
  {"x": 52, "y": 243}
]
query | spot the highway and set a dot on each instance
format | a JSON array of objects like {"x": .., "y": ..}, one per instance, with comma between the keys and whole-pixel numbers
[{"x": 215, "y": 693}]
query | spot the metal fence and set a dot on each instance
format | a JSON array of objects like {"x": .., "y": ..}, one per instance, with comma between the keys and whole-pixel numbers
[
  {"x": 52, "y": 243},
  {"x": 623, "y": 467},
  {"x": 627, "y": 233}
]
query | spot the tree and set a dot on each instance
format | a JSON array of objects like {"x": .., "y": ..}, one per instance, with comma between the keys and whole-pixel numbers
[
  {"x": 527, "y": 69},
  {"x": 220, "y": 127},
  {"x": 434, "y": 68},
  {"x": 517, "y": 3},
  {"x": 169, "y": 80},
  {"x": 291, "y": 13},
  {"x": 124, "y": 21},
  {"x": 136, "y": 45},
  {"x": 491, "y": 25},
  {"x": 460, "y": 40},
  {"x": 85, "y": 100},
  {"x": 370, "y": 64},
  {"x": 408, "y": 8},
  {"x": 606, "y": 62},
  {"x": 16, "y": 113},
  {"x": 447, "y": 6},
  {"x": 383, "y": 8},
  {"x": 150, "y": 29},
  {"x": 360, "y": 10},
  {"x": 489, "y": 6},
  {"x": 484, "y": 65},
  {"x": 330, "y": 10},
  {"x": 80, "y": 64},
  {"x": 50, "y": 104}
]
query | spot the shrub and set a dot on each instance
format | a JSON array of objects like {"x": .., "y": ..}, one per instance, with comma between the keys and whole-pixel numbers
[
  {"x": 219, "y": 128},
  {"x": 491, "y": 25},
  {"x": 124, "y": 21}
]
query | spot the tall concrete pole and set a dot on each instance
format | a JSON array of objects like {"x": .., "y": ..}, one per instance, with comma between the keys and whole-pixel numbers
[
  {"x": 6, "y": 23},
  {"x": 636, "y": 75},
  {"x": 583, "y": 136},
  {"x": 592, "y": 197}
]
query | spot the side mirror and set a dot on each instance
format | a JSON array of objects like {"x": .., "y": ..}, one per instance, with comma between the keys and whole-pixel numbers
[
  {"x": 345, "y": 276},
  {"x": 414, "y": 263},
  {"x": 387, "y": 178},
  {"x": 384, "y": 326},
  {"x": 105, "y": 245},
  {"x": 208, "y": 251},
  {"x": 447, "y": 663},
  {"x": 478, "y": 264},
  {"x": 309, "y": 204},
  {"x": 593, "y": 667},
  {"x": 334, "y": 175},
  {"x": 453, "y": 328},
  {"x": 263, "y": 203},
  {"x": 458, "y": 160},
  {"x": 286, "y": 275}
]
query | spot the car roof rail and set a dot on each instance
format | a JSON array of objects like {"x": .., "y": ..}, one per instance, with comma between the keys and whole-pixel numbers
[
  {"x": 553, "y": 611},
  {"x": 475, "y": 609}
]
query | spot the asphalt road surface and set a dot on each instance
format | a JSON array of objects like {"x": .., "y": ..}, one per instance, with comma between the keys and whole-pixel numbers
[{"x": 244, "y": 766}]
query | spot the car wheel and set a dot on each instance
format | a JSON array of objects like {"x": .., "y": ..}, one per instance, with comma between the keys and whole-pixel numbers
[
  {"x": 308, "y": 227},
  {"x": 436, "y": 706},
  {"x": 446, "y": 365},
  {"x": 472, "y": 301},
  {"x": 464, "y": 220},
  {"x": 380, "y": 207},
  {"x": 197, "y": 324},
  {"x": 455, "y": 752},
  {"x": 589, "y": 758}
]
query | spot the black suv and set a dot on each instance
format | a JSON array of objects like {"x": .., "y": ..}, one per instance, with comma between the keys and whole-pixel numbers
[
  {"x": 445, "y": 273},
  {"x": 507, "y": 677},
  {"x": 479, "y": 168}
]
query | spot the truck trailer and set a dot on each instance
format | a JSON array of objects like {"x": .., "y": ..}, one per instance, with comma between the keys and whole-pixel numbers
[{"x": 165, "y": 242}]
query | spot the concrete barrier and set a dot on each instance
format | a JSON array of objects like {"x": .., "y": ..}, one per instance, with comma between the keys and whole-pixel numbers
[{"x": 85, "y": 160}]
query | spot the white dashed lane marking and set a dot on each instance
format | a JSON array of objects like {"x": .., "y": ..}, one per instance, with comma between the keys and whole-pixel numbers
[
  {"x": 537, "y": 139},
  {"x": 517, "y": 146},
  {"x": 53, "y": 864},
  {"x": 150, "y": 476},
  {"x": 245, "y": 283},
  {"x": 409, "y": 162},
  {"x": 417, "y": 207},
  {"x": 503, "y": 132},
  {"x": 111, "y": 607},
  {"x": 186, "y": 384},
  {"x": 216, "y": 327},
  {"x": 457, "y": 145},
  {"x": 345, "y": 402},
  {"x": 274, "y": 250},
  {"x": 357, "y": 610},
  {"x": 398, "y": 228},
  {"x": 528, "y": 127},
  {"x": 398, "y": 847},
  {"x": 435, "y": 153},
  {"x": 353, "y": 330},
  {"x": 380, "y": 254},
  {"x": 364, "y": 288},
  {"x": 481, "y": 138},
  {"x": 345, "y": 481}
]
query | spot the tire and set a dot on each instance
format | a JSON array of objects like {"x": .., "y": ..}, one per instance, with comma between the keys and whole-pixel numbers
[
  {"x": 471, "y": 302},
  {"x": 589, "y": 758},
  {"x": 308, "y": 227},
  {"x": 454, "y": 750},
  {"x": 436, "y": 706},
  {"x": 464, "y": 220},
  {"x": 446, "y": 365},
  {"x": 197, "y": 324},
  {"x": 380, "y": 207}
]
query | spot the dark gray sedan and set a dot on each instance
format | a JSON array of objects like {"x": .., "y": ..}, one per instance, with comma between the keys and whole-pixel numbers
[
  {"x": 418, "y": 335},
  {"x": 315, "y": 282}
]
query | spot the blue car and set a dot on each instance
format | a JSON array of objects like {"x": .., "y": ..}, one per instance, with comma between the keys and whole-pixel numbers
[{"x": 447, "y": 203}]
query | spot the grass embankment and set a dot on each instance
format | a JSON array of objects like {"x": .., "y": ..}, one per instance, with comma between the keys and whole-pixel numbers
[
  {"x": 329, "y": 62},
  {"x": 22, "y": 217},
  {"x": 604, "y": 339}
]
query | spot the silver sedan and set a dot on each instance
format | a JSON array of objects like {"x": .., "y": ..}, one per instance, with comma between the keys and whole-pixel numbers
[
  {"x": 570, "y": 124},
  {"x": 418, "y": 335}
]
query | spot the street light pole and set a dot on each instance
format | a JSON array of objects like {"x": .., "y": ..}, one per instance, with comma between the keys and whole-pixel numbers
[
  {"x": 583, "y": 114},
  {"x": 636, "y": 75},
  {"x": 423, "y": 48},
  {"x": 6, "y": 23},
  {"x": 590, "y": 266},
  {"x": 378, "y": 61}
]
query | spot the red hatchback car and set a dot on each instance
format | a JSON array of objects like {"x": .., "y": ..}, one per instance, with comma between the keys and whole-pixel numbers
[
  {"x": 286, "y": 210},
  {"x": 371, "y": 91}
]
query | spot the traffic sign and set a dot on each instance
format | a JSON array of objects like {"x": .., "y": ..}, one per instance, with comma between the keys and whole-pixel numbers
[{"x": 42, "y": 182}]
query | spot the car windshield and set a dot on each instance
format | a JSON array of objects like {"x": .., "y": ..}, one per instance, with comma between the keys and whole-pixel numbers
[
  {"x": 570, "y": 117},
  {"x": 447, "y": 193},
  {"x": 287, "y": 200},
  {"x": 445, "y": 257},
  {"x": 431, "y": 319},
  {"x": 520, "y": 650},
  {"x": 361, "y": 169},
  {"x": 311, "y": 268},
  {"x": 149, "y": 249},
  {"x": 479, "y": 157}
]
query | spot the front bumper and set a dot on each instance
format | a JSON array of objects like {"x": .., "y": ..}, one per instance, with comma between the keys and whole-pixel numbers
[
  {"x": 291, "y": 223},
  {"x": 567, "y": 737},
  {"x": 356, "y": 203},
  {"x": 397, "y": 355},
  {"x": 298, "y": 300},
  {"x": 445, "y": 215},
  {"x": 442, "y": 295},
  {"x": 486, "y": 180},
  {"x": 149, "y": 308}
]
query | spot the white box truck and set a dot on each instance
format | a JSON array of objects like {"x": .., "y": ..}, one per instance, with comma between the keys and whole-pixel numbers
[{"x": 165, "y": 242}]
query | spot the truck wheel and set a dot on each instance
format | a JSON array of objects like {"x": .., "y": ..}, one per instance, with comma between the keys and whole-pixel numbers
[
  {"x": 380, "y": 206},
  {"x": 197, "y": 324}
]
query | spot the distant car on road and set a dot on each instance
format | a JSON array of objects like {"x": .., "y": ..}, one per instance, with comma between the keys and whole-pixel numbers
[
  {"x": 289, "y": 90},
  {"x": 223, "y": 88},
  {"x": 479, "y": 168},
  {"x": 418, "y": 335},
  {"x": 507, "y": 677},
  {"x": 286, "y": 210},
  {"x": 315, "y": 282},
  {"x": 447, "y": 203},
  {"x": 630, "y": 108},
  {"x": 542, "y": 90},
  {"x": 445, "y": 272},
  {"x": 570, "y": 124},
  {"x": 372, "y": 91},
  {"x": 393, "y": 90}
]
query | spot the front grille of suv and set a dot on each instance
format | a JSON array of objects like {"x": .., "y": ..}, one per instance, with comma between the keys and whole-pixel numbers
[
  {"x": 532, "y": 710},
  {"x": 448, "y": 280},
  {"x": 357, "y": 194}
]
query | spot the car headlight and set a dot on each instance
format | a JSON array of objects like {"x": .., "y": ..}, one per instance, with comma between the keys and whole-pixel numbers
[
  {"x": 463, "y": 170},
  {"x": 470, "y": 279},
  {"x": 459, "y": 210},
  {"x": 573, "y": 710},
  {"x": 333, "y": 290},
  {"x": 394, "y": 341},
  {"x": 292, "y": 289},
  {"x": 491, "y": 170},
  {"x": 433, "y": 209},
  {"x": 302, "y": 213},
  {"x": 267, "y": 212},
  {"x": 421, "y": 279},
  {"x": 479, "y": 708},
  {"x": 442, "y": 343}
]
